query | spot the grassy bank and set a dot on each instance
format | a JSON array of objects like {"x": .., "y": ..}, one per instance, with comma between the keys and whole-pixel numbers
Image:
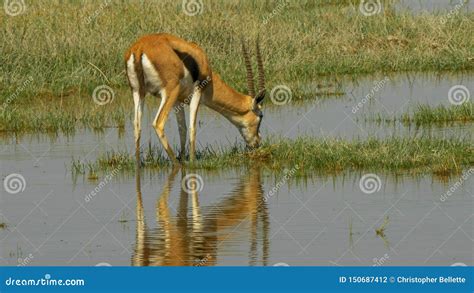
[
  {"x": 66, "y": 114},
  {"x": 438, "y": 156},
  {"x": 429, "y": 115},
  {"x": 76, "y": 46},
  {"x": 56, "y": 53}
]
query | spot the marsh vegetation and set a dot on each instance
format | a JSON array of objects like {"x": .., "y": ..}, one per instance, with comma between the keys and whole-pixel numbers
[
  {"x": 290, "y": 199},
  {"x": 56, "y": 54},
  {"x": 311, "y": 155},
  {"x": 428, "y": 115}
]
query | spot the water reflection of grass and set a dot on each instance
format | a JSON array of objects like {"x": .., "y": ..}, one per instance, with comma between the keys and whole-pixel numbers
[
  {"x": 441, "y": 157},
  {"x": 428, "y": 115},
  {"x": 380, "y": 232}
]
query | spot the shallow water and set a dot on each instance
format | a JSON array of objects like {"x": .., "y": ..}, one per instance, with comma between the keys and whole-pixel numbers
[
  {"x": 236, "y": 218},
  {"x": 389, "y": 96},
  {"x": 442, "y": 6},
  {"x": 335, "y": 116}
]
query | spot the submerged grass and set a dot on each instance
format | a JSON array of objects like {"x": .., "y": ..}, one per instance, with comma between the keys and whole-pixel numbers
[
  {"x": 429, "y": 115},
  {"x": 425, "y": 114},
  {"x": 309, "y": 155}
]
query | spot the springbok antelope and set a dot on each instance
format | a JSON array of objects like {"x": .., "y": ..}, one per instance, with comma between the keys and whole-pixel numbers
[{"x": 179, "y": 71}]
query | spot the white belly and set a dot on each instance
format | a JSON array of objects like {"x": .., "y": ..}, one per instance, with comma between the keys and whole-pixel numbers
[{"x": 153, "y": 82}]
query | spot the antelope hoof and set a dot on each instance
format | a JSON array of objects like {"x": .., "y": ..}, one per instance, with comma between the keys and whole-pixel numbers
[{"x": 181, "y": 157}]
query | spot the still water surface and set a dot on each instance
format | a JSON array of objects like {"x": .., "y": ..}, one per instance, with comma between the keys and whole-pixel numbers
[{"x": 238, "y": 217}]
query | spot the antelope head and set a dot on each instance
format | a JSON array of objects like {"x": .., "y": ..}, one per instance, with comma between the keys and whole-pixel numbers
[{"x": 250, "y": 128}]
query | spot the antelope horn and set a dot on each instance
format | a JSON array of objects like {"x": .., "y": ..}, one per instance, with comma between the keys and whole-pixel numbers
[
  {"x": 248, "y": 66},
  {"x": 261, "y": 72}
]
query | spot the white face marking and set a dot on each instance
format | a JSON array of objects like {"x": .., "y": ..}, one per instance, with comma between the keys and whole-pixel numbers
[
  {"x": 246, "y": 133},
  {"x": 152, "y": 79},
  {"x": 132, "y": 74},
  {"x": 250, "y": 138}
]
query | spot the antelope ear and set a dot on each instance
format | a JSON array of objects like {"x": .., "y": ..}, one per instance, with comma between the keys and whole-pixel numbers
[{"x": 260, "y": 96}]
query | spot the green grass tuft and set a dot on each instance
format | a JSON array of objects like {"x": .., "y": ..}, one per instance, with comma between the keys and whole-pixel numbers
[
  {"x": 418, "y": 155},
  {"x": 428, "y": 115},
  {"x": 425, "y": 114}
]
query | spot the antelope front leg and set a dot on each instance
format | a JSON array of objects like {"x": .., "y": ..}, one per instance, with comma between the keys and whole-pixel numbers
[
  {"x": 181, "y": 119},
  {"x": 193, "y": 109},
  {"x": 167, "y": 103},
  {"x": 138, "y": 100}
]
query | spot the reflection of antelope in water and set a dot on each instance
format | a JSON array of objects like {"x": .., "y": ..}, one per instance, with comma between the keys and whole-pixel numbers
[{"x": 195, "y": 239}]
